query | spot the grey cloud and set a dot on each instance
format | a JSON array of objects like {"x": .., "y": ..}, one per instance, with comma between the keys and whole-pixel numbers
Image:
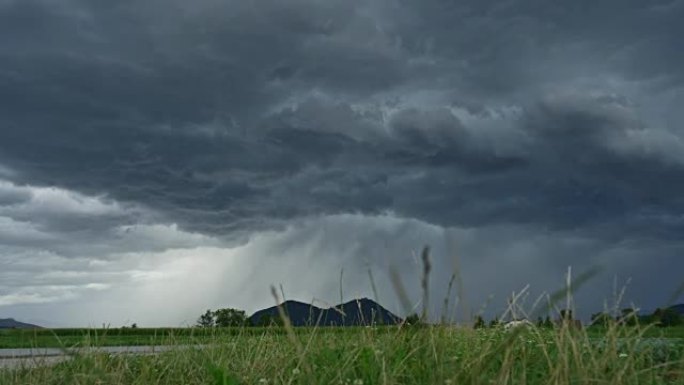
[
  {"x": 503, "y": 48},
  {"x": 437, "y": 128},
  {"x": 10, "y": 195},
  {"x": 72, "y": 225}
]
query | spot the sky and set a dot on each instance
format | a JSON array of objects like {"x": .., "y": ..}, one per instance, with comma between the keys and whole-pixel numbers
[{"x": 161, "y": 158}]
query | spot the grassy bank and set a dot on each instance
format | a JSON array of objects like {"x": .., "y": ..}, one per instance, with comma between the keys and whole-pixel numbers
[{"x": 424, "y": 355}]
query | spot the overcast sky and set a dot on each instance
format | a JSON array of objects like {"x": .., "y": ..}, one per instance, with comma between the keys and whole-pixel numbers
[{"x": 162, "y": 157}]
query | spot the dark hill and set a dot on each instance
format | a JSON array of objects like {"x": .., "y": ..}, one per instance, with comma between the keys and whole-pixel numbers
[
  {"x": 299, "y": 313},
  {"x": 364, "y": 310},
  {"x": 353, "y": 313},
  {"x": 10, "y": 323}
]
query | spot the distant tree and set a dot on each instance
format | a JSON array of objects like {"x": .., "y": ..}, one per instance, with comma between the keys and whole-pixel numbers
[
  {"x": 667, "y": 317},
  {"x": 134, "y": 326},
  {"x": 413, "y": 319},
  {"x": 540, "y": 322},
  {"x": 601, "y": 319},
  {"x": 230, "y": 317},
  {"x": 206, "y": 320},
  {"x": 494, "y": 322},
  {"x": 566, "y": 316},
  {"x": 547, "y": 322},
  {"x": 479, "y": 322},
  {"x": 628, "y": 317}
]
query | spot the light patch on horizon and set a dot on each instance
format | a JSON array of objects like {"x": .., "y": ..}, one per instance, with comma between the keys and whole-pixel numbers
[{"x": 42, "y": 262}]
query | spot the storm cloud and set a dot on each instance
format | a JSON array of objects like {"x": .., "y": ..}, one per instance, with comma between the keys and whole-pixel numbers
[{"x": 528, "y": 135}]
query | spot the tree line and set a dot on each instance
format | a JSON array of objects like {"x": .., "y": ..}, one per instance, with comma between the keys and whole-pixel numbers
[
  {"x": 225, "y": 317},
  {"x": 630, "y": 317},
  {"x": 229, "y": 317}
]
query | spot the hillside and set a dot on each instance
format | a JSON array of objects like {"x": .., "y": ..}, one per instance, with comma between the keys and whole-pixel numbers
[
  {"x": 10, "y": 323},
  {"x": 353, "y": 313}
]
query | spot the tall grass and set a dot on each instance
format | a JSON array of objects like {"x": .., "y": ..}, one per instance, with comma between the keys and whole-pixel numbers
[{"x": 389, "y": 355}]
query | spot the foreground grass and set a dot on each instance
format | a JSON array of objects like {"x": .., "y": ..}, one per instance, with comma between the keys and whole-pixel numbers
[{"x": 426, "y": 355}]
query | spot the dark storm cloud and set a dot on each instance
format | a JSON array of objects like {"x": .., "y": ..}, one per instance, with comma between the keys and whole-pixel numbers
[{"x": 231, "y": 117}]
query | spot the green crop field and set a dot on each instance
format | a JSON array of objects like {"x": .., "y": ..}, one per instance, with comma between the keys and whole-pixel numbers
[
  {"x": 19, "y": 338},
  {"x": 390, "y": 355},
  {"x": 42, "y": 338},
  {"x": 57, "y": 338}
]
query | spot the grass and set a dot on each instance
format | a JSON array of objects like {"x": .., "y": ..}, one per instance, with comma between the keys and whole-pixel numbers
[{"x": 392, "y": 355}]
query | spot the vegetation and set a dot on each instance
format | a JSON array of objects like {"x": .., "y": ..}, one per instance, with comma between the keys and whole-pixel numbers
[
  {"x": 223, "y": 318},
  {"x": 206, "y": 320},
  {"x": 479, "y": 322},
  {"x": 385, "y": 355},
  {"x": 666, "y": 318},
  {"x": 413, "y": 319},
  {"x": 269, "y": 320}
]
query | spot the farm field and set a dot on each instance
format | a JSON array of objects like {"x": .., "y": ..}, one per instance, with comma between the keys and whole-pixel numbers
[
  {"x": 411, "y": 355},
  {"x": 56, "y": 338}
]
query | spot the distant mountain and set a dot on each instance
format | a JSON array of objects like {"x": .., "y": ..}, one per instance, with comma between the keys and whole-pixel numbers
[
  {"x": 10, "y": 323},
  {"x": 353, "y": 313}
]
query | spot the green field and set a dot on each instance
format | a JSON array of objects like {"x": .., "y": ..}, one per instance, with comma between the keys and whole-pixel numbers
[
  {"x": 390, "y": 355},
  {"x": 40, "y": 338},
  {"x": 59, "y": 338},
  {"x": 18, "y": 338}
]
